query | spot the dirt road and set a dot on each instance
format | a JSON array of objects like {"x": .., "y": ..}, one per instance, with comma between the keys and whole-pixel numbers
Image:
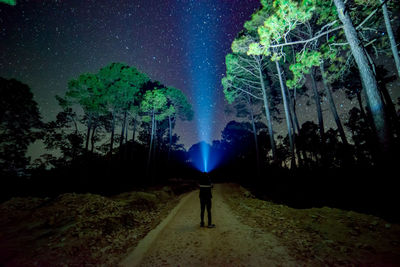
[{"x": 180, "y": 241}]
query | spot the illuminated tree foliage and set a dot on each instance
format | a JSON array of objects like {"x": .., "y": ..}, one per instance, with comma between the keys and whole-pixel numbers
[
  {"x": 114, "y": 91},
  {"x": 274, "y": 22},
  {"x": 123, "y": 94},
  {"x": 113, "y": 98},
  {"x": 320, "y": 32},
  {"x": 367, "y": 76},
  {"x": 155, "y": 108},
  {"x": 245, "y": 77},
  {"x": 88, "y": 92},
  {"x": 9, "y": 2}
]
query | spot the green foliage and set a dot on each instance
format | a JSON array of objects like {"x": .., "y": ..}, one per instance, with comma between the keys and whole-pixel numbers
[
  {"x": 87, "y": 91},
  {"x": 229, "y": 93},
  {"x": 115, "y": 90},
  {"x": 9, "y": 2},
  {"x": 123, "y": 86},
  {"x": 258, "y": 18},
  {"x": 180, "y": 103},
  {"x": 241, "y": 44},
  {"x": 240, "y": 76},
  {"x": 155, "y": 103},
  {"x": 285, "y": 16},
  {"x": 326, "y": 11},
  {"x": 257, "y": 49},
  {"x": 304, "y": 62}
]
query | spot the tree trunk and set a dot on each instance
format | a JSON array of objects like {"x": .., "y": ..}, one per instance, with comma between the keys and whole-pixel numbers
[
  {"x": 253, "y": 125},
  {"x": 318, "y": 106},
  {"x": 367, "y": 77},
  {"x": 390, "y": 108},
  {"x": 293, "y": 118},
  {"x": 297, "y": 124},
  {"x": 151, "y": 143},
  {"x": 132, "y": 154},
  {"x": 268, "y": 115},
  {"x": 126, "y": 131},
  {"x": 360, "y": 104},
  {"x": 389, "y": 30},
  {"x": 332, "y": 105},
  {"x": 134, "y": 128},
  {"x": 76, "y": 133},
  {"x": 112, "y": 133},
  {"x": 156, "y": 143},
  {"x": 121, "y": 140},
  {"x": 89, "y": 126},
  {"x": 170, "y": 137},
  {"x": 292, "y": 106},
  {"x": 92, "y": 138},
  {"x": 287, "y": 114}
]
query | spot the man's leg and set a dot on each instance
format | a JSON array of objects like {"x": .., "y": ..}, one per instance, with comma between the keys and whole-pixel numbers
[
  {"x": 209, "y": 212},
  {"x": 202, "y": 208}
]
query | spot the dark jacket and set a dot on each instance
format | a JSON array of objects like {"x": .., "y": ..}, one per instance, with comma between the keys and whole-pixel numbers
[{"x": 205, "y": 187}]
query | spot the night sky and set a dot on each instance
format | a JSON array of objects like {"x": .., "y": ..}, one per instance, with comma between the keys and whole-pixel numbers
[{"x": 179, "y": 43}]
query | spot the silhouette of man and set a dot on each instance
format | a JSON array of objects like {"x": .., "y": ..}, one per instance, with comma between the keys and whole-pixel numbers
[{"x": 205, "y": 199}]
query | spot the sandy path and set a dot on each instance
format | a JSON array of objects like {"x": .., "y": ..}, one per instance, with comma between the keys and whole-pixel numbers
[{"x": 180, "y": 241}]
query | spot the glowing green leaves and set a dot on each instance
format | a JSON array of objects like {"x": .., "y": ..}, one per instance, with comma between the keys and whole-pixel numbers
[
  {"x": 87, "y": 91},
  {"x": 286, "y": 15},
  {"x": 123, "y": 85},
  {"x": 180, "y": 103},
  {"x": 240, "y": 45},
  {"x": 257, "y": 49},
  {"x": 304, "y": 62},
  {"x": 154, "y": 103},
  {"x": 230, "y": 94},
  {"x": 9, "y": 2},
  {"x": 236, "y": 73}
]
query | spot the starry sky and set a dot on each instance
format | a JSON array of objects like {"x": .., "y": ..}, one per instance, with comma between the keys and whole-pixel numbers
[{"x": 181, "y": 43}]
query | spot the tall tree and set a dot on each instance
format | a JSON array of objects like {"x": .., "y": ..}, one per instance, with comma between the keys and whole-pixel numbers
[
  {"x": 122, "y": 85},
  {"x": 246, "y": 75},
  {"x": 154, "y": 107},
  {"x": 372, "y": 6},
  {"x": 392, "y": 40},
  {"x": 19, "y": 117},
  {"x": 282, "y": 19},
  {"x": 182, "y": 109},
  {"x": 88, "y": 92},
  {"x": 245, "y": 108},
  {"x": 63, "y": 134},
  {"x": 367, "y": 76}
]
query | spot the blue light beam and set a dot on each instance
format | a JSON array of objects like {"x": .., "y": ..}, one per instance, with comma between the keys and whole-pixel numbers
[
  {"x": 204, "y": 157},
  {"x": 202, "y": 32}
]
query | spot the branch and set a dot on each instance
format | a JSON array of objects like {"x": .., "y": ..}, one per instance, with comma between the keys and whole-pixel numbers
[
  {"x": 331, "y": 30},
  {"x": 244, "y": 91},
  {"x": 243, "y": 68},
  {"x": 248, "y": 81},
  {"x": 308, "y": 40},
  {"x": 371, "y": 14}
]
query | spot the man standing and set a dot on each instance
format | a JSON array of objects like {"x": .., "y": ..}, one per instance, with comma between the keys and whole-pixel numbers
[{"x": 205, "y": 199}]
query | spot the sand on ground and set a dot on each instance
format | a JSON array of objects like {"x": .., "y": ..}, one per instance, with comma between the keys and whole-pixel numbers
[{"x": 180, "y": 241}]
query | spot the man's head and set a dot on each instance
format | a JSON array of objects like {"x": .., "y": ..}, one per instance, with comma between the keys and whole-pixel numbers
[{"x": 205, "y": 177}]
